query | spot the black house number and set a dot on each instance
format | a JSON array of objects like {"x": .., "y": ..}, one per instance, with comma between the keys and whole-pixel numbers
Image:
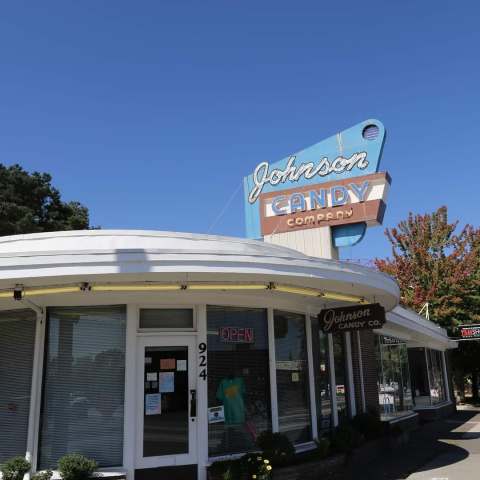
[{"x": 202, "y": 360}]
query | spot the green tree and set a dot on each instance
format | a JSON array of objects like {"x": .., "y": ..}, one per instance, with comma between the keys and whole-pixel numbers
[
  {"x": 29, "y": 203},
  {"x": 437, "y": 263}
]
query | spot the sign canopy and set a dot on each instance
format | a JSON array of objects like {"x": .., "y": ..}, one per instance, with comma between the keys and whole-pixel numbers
[
  {"x": 334, "y": 183},
  {"x": 346, "y": 319}
]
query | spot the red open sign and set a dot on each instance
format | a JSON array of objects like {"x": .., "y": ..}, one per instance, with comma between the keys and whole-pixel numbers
[{"x": 236, "y": 334}]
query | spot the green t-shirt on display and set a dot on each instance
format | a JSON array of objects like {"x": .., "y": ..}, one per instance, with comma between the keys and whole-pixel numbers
[{"x": 231, "y": 392}]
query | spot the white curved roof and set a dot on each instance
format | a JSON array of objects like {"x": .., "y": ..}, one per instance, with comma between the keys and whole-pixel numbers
[{"x": 131, "y": 255}]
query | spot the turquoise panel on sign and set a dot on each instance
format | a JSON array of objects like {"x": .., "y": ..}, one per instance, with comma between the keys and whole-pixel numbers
[{"x": 348, "y": 235}]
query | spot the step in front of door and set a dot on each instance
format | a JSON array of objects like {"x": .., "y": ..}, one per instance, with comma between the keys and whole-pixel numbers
[{"x": 181, "y": 472}]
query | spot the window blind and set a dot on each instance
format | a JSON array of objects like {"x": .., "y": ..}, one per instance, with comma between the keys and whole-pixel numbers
[
  {"x": 17, "y": 339},
  {"x": 83, "y": 396}
]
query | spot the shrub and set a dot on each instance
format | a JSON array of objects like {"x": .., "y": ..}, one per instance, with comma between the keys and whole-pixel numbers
[
  {"x": 345, "y": 438},
  {"x": 369, "y": 425},
  {"x": 76, "y": 467},
  {"x": 46, "y": 475},
  {"x": 256, "y": 466},
  {"x": 323, "y": 447},
  {"x": 276, "y": 447},
  {"x": 15, "y": 468},
  {"x": 226, "y": 470},
  {"x": 395, "y": 431}
]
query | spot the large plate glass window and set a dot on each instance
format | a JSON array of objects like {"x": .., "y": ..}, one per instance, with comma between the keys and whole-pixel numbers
[
  {"x": 238, "y": 378},
  {"x": 17, "y": 339},
  {"x": 292, "y": 376},
  {"x": 435, "y": 369},
  {"x": 339, "y": 359},
  {"x": 394, "y": 386},
  {"x": 417, "y": 361},
  {"x": 83, "y": 397}
]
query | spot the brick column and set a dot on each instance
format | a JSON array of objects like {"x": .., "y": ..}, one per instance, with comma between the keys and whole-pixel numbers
[{"x": 369, "y": 366}]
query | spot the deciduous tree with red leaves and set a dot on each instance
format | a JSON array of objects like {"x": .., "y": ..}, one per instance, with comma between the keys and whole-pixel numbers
[{"x": 438, "y": 263}]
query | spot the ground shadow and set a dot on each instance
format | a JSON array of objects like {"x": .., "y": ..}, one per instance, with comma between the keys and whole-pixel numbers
[{"x": 426, "y": 444}]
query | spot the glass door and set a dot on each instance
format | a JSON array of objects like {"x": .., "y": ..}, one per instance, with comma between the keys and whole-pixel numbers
[{"x": 166, "y": 401}]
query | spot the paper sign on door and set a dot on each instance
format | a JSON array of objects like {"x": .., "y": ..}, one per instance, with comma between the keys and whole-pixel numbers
[
  {"x": 166, "y": 382},
  {"x": 153, "y": 404},
  {"x": 167, "y": 364}
]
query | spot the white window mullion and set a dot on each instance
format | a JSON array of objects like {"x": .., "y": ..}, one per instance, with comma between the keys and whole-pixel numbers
[
  {"x": 202, "y": 397},
  {"x": 273, "y": 370},
  {"x": 311, "y": 377},
  {"x": 36, "y": 392},
  {"x": 129, "y": 429}
]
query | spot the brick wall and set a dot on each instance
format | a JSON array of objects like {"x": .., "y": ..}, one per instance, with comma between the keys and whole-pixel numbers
[{"x": 369, "y": 363}]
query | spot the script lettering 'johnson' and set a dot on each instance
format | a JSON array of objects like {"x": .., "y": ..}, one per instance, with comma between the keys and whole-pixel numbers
[
  {"x": 358, "y": 317},
  {"x": 292, "y": 173}
]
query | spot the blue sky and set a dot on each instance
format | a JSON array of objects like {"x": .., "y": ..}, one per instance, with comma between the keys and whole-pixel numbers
[{"x": 151, "y": 113}]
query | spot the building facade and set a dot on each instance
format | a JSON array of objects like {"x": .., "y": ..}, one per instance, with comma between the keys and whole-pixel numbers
[{"x": 157, "y": 353}]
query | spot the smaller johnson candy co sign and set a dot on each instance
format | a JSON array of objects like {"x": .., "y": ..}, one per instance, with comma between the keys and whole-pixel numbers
[{"x": 358, "y": 317}]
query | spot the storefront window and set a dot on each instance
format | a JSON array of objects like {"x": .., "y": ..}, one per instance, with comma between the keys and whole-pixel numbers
[
  {"x": 322, "y": 377},
  {"x": 339, "y": 359},
  {"x": 394, "y": 387},
  {"x": 435, "y": 371},
  {"x": 238, "y": 378},
  {"x": 292, "y": 376},
  {"x": 17, "y": 339},
  {"x": 83, "y": 397},
  {"x": 417, "y": 360},
  {"x": 428, "y": 381}
]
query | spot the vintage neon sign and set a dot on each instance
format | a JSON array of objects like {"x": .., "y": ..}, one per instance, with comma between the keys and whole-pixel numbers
[
  {"x": 236, "y": 334},
  {"x": 292, "y": 173},
  {"x": 334, "y": 182}
]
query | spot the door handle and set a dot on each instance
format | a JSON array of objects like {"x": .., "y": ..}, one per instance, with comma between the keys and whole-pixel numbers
[{"x": 193, "y": 403}]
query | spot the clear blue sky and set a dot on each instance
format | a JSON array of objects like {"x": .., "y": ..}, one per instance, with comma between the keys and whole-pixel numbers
[{"x": 151, "y": 113}]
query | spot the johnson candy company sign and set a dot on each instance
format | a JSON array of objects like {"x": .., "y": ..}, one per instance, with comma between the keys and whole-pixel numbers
[
  {"x": 335, "y": 182},
  {"x": 358, "y": 317}
]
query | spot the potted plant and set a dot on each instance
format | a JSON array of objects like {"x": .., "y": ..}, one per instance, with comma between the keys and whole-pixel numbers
[
  {"x": 15, "y": 468},
  {"x": 76, "y": 467}
]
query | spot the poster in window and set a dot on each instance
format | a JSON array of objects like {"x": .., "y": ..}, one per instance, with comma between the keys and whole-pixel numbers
[
  {"x": 167, "y": 364},
  {"x": 166, "y": 382},
  {"x": 153, "y": 404}
]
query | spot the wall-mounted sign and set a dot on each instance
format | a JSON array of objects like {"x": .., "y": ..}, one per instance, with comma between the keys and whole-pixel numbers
[
  {"x": 468, "y": 332},
  {"x": 236, "y": 334},
  {"x": 358, "y": 317},
  {"x": 332, "y": 183}
]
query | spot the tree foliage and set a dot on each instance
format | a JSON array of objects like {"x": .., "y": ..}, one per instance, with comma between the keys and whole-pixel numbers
[
  {"x": 434, "y": 263},
  {"x": 29, "y": 203}
]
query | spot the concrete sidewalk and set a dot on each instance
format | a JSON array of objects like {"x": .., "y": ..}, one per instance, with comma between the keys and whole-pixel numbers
[
  {"x": 452, "y": 464},
  {"x": 440, "y": 450}
]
